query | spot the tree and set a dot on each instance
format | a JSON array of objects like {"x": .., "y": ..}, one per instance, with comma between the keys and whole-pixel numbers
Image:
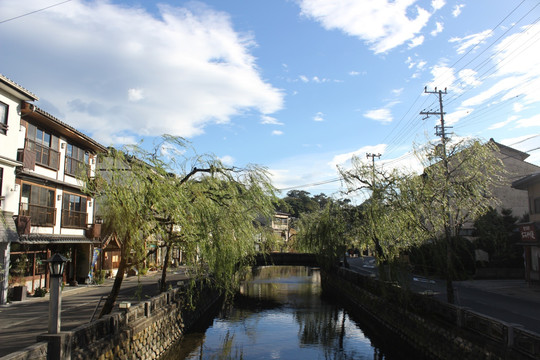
[
  {"x": 328, "y": 232},
  {"x": 406, "y": 209},
  {"x": 194, "y": 202},
  {"x": 495, "y": 234}
]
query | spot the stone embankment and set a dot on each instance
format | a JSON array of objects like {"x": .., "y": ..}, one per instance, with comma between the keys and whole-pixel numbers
[
  {"x": 144, "y": 331},
  {"x": 439, "y": 330}
]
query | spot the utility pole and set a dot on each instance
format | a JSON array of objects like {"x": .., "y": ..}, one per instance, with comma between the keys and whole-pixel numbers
[
  {"x": 373, "y": 156},
  {"x": 374, "y": 199},
  {"x": 441, "y": 130}
]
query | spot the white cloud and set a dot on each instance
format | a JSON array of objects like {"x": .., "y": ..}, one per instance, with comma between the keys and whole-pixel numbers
[
  {"x": 383, "y": 115},
  {"x": 417, "y": 41},
  {"x": 502, "y": 124},
  {"x": 354, "y": 73},
  {"x": 438, "y": 4},
  {"x": 304, "y": 78},
  {"x": 457, "y": 10},
  {"x": 135, "y": 94},
  {"x": 470, "y": 40},
  {"x": 383, "y": 24},
  {"x": 318, "y": 117},
  {"x": 397, "y": 92},
  {"x": 443, "y": 77},
  {"x": 533, "y": 121},
  {"x": 277, "y": 132},
  {"x": 468, "y": 77},
  {"x": 344, "y": 159},
  {"x": 518, "y": 107},
  {"x": 455, "y": 116},
  {"x": 195, "y": 69},
  {"x": 269, "y": 120},
  {"x": 227, "y": 160},
  {"x": 439, "y": 27}
]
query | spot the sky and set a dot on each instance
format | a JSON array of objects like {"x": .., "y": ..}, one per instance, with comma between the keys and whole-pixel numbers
[{"x": 296, "y": 86}]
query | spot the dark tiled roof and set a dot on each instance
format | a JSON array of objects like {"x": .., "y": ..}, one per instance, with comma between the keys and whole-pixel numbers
[
  {"x": 18, "y": 88},
  {"x": 54, "y": 239},
  {"x": 524, "y": 182},
  {"x": 95, "y": 145}
]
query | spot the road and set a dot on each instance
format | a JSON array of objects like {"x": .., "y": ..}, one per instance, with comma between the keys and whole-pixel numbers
[{"x": 511, "y": 301}]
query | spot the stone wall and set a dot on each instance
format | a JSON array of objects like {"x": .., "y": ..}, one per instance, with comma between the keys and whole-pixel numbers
[
  {"x": 439, "y": 330},
  {"x": 144, "y": 331}
]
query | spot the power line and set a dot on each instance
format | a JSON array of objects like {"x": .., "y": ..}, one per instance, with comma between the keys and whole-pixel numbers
[{"x": 33, "y": 12}]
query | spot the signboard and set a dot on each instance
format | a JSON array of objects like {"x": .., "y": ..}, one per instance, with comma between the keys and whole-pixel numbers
[{"x": 528, "y": 232}]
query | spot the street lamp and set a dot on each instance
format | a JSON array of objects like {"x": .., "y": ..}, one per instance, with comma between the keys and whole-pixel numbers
[{"x": 56, "y": 269}]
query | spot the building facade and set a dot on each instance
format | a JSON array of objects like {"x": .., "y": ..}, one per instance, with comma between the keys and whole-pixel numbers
[
  {"x": 12, "y": 96},
  {"x": 49, "y": 209},
  {"x": 529, "y": 231}
]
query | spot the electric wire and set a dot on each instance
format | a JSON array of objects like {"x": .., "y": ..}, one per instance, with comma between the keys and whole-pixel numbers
[{"x": 33, "y": 12}]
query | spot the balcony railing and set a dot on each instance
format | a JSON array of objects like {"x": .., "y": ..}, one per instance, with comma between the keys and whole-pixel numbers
[
  {"x": 40, "y": 215},
  {"x": 45, "y": 155},
  {"x": 76, "y": 167},
  {"x": 74, "y": 219}
]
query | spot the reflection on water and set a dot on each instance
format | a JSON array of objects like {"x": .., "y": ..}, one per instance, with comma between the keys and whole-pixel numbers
[{"x": 279, "y": 314}]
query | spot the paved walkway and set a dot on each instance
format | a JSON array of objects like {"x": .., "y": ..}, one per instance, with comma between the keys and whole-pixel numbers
[{"x": 22, "y": 321}]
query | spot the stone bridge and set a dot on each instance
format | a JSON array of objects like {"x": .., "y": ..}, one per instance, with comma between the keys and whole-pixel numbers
[{"x": 279, "y": 258}]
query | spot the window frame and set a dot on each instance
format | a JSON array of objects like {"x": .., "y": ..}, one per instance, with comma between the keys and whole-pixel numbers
[
  {"x": 76, "y": 158},
  {"x": 47, "y": 151},
  {"x": 4, "y": 118},
  {"x": 40, "y": 214},
  {"x": 73, "y": 218}
]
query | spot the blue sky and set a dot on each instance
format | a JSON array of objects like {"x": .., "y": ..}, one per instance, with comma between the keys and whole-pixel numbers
[{"x": 297, "y": 86}]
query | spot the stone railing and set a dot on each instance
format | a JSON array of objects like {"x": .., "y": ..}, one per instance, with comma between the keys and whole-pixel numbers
[{"x": 441, "y": 330}]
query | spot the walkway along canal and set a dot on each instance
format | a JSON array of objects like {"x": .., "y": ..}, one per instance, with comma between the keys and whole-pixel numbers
[
  {"x": 280, "y": 314},
  {"x": 372, "y": 309}
]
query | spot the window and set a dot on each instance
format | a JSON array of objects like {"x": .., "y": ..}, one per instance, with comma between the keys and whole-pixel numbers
[
  {"x": 74, "y": 211},
  {"x": 38, "y": 203},
  {"x": 45, "y": 145},
  {"x": 536, "y": 206},
  {"x": 76, "y": 160},
  {"x": 1, "y": 182},
  {"x": 3, "y": 118}
]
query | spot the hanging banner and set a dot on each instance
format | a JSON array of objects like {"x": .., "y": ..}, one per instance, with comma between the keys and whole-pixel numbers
[
  {"x": 94, "y": 261},
  {"x": 528, "y": 232}
]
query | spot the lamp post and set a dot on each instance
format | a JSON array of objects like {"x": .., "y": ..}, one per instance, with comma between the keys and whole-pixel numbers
[{"x": 56, "y": 269}]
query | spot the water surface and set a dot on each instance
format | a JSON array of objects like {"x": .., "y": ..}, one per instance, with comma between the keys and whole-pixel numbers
[{"x": 280, "y": 314}]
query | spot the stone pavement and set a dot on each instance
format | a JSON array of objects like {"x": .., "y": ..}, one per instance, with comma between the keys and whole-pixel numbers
[{"x": 22, "y": 321}]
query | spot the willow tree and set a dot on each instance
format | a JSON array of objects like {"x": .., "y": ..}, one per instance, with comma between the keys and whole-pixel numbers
[
  {"x": 382, "y": 227},
  {"x": 456, "y": 188},
  {"x": 328, "y": 232},
  {"x": 405, "y": 210},
  {"x": 190, "y": 201}
]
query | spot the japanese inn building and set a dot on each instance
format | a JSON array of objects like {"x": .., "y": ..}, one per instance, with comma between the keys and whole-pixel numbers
[{"x": 42, "y": 206}]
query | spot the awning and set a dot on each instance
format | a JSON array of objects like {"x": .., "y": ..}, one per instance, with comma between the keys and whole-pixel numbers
[{"x": 55, "y": 239}]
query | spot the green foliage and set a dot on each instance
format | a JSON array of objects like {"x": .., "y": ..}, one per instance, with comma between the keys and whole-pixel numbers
[
  {"x": 99, "y": 276},
  {"x": 495, "y": 234},
  {"x": 299, "y": 202},
  {"x": 40, "y": 292},
  {"x": 406, "y": 210},
  {"x": 429, "y": 259},
  {"x": 327, "y": 232},
  {"x": 186, "y": 200}
]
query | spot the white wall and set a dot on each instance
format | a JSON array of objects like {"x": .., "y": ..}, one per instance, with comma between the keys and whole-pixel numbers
[{"x": 8, "y": 153}]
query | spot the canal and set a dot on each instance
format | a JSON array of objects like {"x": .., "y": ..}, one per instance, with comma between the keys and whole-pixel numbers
[{"x": 279, "y": 313}]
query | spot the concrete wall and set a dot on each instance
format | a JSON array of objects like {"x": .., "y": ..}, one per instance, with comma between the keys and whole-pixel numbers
[
  {"x": 144, "y": 331},
  {"x": 439, "y": 330}
]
